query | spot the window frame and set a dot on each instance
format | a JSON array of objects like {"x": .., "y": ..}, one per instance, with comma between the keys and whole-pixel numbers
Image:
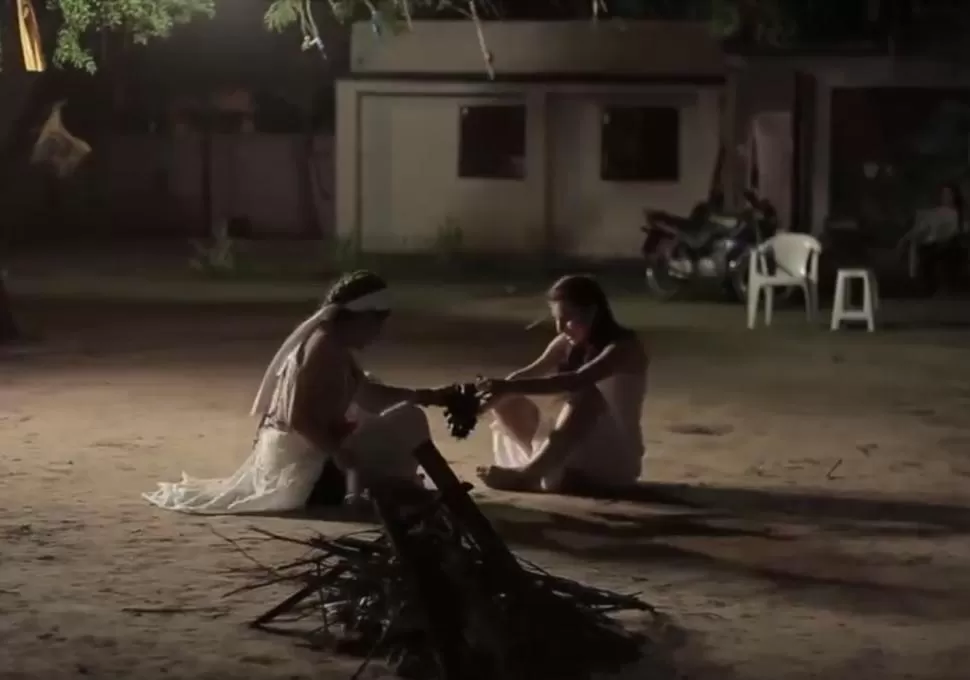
[{"x": 608, "y": 171}]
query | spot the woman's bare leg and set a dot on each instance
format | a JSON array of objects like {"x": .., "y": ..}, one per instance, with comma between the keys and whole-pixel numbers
[
  {"x": 519, "y": 416},
  {"x": 579, "y": 415}
]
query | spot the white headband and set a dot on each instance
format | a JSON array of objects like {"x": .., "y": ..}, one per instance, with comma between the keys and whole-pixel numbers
[{"x": 378, "y": 301}]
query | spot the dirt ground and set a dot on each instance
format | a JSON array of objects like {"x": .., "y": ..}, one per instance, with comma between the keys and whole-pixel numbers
[{"x": 804, "y": 514}]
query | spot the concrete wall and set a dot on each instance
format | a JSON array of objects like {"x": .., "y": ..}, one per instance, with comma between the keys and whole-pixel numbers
[
  {"x": 409, "y": 187},
  {"x": 765, "y": 83},
  {"x": 152, "y": 186},
  {"x": 592, "y": 217},
  {"x": 398, "y": 132},
  {"x": 865, "y": 73},
  {"x": 758, "y": 86},
  {"x": 583, "y": 46},
  {"x": 397, "y": 182}
]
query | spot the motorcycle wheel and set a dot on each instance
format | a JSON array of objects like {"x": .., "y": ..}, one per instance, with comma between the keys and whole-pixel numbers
[
  {"x": 737, "y": 283},
  {"x": 660, "y": 282}
]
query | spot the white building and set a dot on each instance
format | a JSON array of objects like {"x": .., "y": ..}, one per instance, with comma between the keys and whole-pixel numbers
[{"x": 584, "y": 125}]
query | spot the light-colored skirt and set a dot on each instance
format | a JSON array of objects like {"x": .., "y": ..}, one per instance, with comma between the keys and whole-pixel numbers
[
  {"x": 603, "y": 457},
  {"x": 283, "y": 468}
]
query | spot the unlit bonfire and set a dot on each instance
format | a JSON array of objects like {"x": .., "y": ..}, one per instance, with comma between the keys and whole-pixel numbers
[{"x": 436, "y": 593}]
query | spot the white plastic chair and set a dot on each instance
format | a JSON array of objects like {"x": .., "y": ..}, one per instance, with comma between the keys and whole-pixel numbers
[{"x": 796, "y": 266}]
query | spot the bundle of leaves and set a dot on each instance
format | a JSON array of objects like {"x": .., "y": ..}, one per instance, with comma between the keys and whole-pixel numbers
[{"x": 462, "y": 406}]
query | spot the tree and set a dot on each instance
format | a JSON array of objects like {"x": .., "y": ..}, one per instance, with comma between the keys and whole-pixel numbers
[{"x": 75, "y": 32}]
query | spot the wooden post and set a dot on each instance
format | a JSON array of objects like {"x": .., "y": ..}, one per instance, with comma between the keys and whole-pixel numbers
[
  {"x": 442, "y": 622},
  {"x": 455, "y": 495}
]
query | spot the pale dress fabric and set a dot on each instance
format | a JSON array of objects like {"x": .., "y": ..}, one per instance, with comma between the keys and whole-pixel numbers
[
  {"x": 283, "y": 468},
  {"x": 612, "y": 452},
  {"x": 936, "y": 225}
]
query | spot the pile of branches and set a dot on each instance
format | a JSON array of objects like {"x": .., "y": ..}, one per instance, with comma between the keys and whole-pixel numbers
[
  {"x": 434, "y": 604},
  {"x": 436, "y": 593}
]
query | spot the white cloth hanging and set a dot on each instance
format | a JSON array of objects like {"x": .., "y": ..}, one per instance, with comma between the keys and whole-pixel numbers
[{"x": 376, "y": 301}]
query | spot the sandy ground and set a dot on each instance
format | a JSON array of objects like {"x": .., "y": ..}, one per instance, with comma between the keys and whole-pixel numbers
[{"x": 829, "y": 485}]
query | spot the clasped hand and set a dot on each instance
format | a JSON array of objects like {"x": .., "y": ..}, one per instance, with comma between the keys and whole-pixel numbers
[{"x": 491, "y": 389}]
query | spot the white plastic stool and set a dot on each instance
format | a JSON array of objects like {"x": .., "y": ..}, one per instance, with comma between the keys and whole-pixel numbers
[{"x": 870, "y": 298}]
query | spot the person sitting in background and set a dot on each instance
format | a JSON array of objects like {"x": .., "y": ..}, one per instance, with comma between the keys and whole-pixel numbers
[
  {"x": 599, "y": 370},
  {"x": 936, "y": 237},
  {"x": 327, "y": 426}
]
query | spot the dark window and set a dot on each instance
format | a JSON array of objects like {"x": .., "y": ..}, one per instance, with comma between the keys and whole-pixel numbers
[
  {"x": 491, "y": 142},
  {"x": 640, "y": 144}
]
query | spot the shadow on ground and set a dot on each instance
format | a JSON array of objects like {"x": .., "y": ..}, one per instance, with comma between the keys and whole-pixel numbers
[
  {"x": 790, "y": 541},
  {"x": 819, "y": 506}
]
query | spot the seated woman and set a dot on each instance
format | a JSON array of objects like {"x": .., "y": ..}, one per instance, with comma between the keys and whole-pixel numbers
[
  {"x": 599, "y": 368},
  {"x": 936, "y": 242},
  {"x": 325, "y": 423}
]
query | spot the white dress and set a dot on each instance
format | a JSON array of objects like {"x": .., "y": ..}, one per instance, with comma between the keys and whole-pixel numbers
[
  {"x": 612, "y": 452},
  {"x": 283, "y": 468},
  {"x": 936, "y": 225}
]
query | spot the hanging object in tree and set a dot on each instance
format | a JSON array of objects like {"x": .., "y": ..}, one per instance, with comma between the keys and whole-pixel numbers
[
  {"x": 58, "y": 148},
  {"x": 30, "y": 44}
]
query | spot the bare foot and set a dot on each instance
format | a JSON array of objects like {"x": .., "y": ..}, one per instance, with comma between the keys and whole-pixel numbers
[{"x": 506, "y": 479}]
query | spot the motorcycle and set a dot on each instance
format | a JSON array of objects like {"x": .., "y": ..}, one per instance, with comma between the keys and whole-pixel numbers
[{"x": 706, "y": 247}]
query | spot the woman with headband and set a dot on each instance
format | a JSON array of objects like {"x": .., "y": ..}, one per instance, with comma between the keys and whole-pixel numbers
[{"x": 325, "y": 422}]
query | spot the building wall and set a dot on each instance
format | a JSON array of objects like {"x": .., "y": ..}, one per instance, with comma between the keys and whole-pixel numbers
[
  {"x": 758, "y": 86},
  {"x": 582, "y": 46},
  {"x": 147, "y": 185},
  {"x": 596, "y": 218},
  {"x": 410, "y": 192},
  {"x": 767, "y": 82},
  {"x": 864, "y": 73},
  {"x": 398, "y": 186}
]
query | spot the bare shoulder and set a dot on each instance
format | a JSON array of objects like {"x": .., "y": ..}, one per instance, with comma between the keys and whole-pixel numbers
[{"x": 321, "y": 351}]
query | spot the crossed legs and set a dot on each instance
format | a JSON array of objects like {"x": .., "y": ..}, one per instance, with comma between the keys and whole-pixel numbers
[{"x": 545, "y": 466}]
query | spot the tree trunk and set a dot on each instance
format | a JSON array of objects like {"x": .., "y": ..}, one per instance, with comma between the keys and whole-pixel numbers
[
  {"x": 9, "y": 332},
  {"x": 306, "y": 183},
  {"x": 26, "y": 100}
]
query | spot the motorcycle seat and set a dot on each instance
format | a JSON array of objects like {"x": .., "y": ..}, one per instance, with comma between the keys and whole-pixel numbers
[
  {"x": 699, "y": 238},
  {"x": 677, "y": 221}
]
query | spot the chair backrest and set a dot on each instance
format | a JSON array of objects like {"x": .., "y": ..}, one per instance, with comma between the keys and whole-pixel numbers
[{"x": 795, "y": 254}]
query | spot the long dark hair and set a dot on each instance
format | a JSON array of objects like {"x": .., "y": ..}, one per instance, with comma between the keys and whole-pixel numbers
[{"x": 585, "y": 293}]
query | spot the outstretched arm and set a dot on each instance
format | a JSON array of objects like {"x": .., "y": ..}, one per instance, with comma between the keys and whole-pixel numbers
[
  {"x": 373, "y": 395},
  {"x": 607, "y": 363},
  {"x": 554, "y": 353},
  {"x": 551, "y": 357}
]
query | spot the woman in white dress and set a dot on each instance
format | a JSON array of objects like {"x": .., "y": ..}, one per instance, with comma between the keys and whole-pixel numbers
[
  {"x": 599, "y": 369},
  {"x": 326, "y": 424}
]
